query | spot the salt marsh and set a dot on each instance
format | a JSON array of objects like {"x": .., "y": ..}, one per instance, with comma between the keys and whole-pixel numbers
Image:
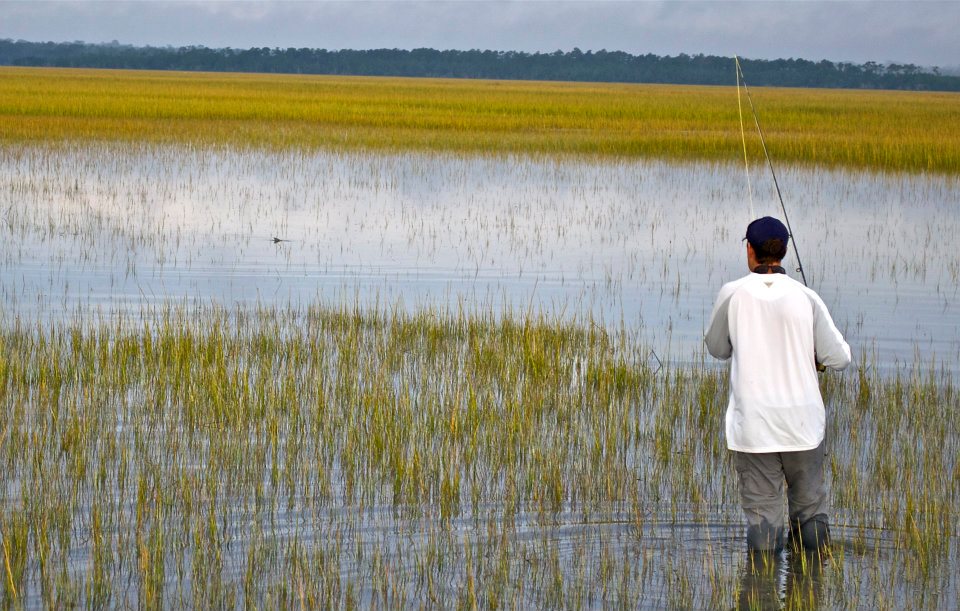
[{"x": 449, "y": 381}]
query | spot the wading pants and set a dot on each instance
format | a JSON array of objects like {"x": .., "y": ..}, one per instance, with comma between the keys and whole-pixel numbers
[{"x": 762, "y": 477}]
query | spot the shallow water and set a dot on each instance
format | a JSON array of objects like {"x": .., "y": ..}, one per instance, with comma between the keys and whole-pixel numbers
[
  {"x": 596, "y": 560},
  {"x": 641, "y": 244}
]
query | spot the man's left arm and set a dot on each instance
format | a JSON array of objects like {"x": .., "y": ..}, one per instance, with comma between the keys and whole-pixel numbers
[{"x": 832, "y": 350}]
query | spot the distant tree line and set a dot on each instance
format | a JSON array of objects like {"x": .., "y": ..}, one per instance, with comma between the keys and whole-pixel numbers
[{"x": 575, "y": 65}]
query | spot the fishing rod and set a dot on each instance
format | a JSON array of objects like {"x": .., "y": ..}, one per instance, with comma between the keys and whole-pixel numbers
[{"x": 763, "y": 143}]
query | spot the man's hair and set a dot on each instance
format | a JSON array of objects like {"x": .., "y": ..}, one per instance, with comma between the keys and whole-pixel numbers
[{"x": 771, "y": 251}]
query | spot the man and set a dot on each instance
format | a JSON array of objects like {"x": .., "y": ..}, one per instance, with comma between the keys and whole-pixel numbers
[{"x": 776, "y": 329}]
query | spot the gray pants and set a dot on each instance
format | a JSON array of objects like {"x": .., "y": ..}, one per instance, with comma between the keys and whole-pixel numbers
[{"x": 761, "y": 492}]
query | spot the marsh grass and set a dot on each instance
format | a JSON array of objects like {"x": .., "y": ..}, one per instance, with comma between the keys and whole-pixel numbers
[
  {"x": 366, "y": 456},
  {"x": 915, "y": 132},
  {"x": 342, "y": 456}
]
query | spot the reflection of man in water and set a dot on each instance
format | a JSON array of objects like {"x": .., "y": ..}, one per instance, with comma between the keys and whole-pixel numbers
[
  {"x": 775, "y": 329},
  {"x": 796, "y": 583}
]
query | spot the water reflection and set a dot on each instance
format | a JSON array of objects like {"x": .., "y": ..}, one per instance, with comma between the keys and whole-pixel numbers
[
  {"x": 792, "y": 579},
  {"x": 643, "y": 245}
]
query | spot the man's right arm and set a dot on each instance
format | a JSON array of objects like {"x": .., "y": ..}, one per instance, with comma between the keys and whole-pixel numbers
[{"x": 717, "y": 337}]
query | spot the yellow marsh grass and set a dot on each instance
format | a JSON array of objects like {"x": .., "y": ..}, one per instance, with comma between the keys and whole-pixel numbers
[{"x": 866, "y": 129}]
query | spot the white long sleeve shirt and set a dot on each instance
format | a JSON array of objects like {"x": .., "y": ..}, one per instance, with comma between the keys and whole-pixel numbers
[{"x": 773, "y": 326}]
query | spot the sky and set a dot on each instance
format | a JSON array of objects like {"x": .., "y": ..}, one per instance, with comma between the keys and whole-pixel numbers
[{"x": 918, "y": 32}]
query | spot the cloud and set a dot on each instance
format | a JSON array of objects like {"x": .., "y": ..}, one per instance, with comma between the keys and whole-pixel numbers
[{"x": 917, "y": 32}]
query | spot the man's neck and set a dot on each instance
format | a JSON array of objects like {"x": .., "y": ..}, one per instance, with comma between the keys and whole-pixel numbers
[{"x": 769, "y": 268}]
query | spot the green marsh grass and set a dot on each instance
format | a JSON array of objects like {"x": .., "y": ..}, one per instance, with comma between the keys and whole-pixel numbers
[
  {"x": 340, "y": 456},
  {"x": 908, "y": 131},
  {"x": 347, "y": 456}
]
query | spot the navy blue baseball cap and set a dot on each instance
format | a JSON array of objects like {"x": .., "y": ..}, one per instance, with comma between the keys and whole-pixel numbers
[{"x": 766, "y": 228}]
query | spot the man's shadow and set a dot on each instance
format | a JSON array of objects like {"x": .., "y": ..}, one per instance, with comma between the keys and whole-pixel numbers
[{"x": 792, "y": 579}]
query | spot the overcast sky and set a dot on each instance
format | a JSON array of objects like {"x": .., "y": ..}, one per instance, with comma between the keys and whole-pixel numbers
[{"x": 924, "y": 33}]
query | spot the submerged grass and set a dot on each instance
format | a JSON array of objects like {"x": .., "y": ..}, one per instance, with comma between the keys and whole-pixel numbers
[
  {"x": 348, "y": 457},
  {"x": 899, "y": 131}
]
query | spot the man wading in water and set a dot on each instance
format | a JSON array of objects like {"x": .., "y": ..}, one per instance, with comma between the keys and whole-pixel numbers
[{"x": 775, "y": 328}]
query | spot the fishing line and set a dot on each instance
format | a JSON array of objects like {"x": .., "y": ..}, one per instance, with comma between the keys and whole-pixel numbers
[
  {"x": 756, "y": 120},
  {"x": 743, "y": 138}
]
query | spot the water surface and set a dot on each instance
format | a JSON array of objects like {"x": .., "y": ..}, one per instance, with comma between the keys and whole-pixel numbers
[{"x": 642, "y": 245}]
